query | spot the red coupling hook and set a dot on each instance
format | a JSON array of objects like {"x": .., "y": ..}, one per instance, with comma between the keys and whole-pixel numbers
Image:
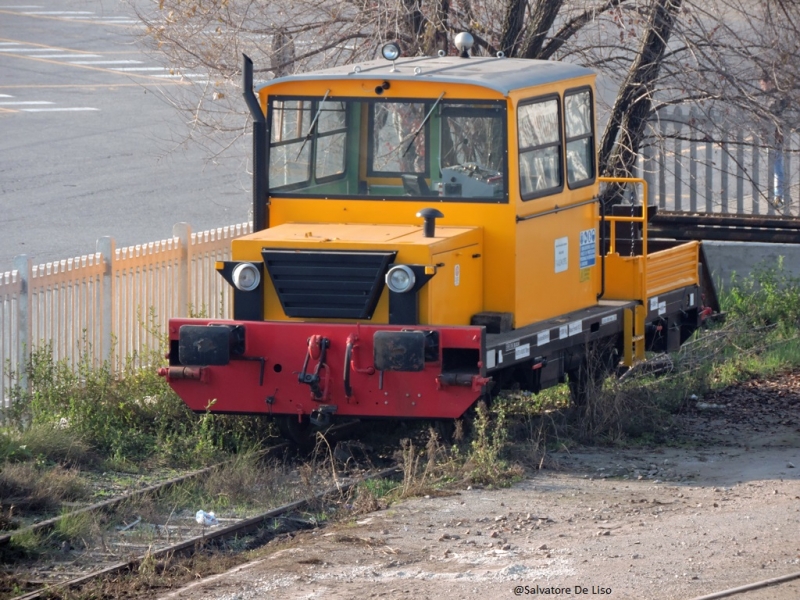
[{"x": 317, "y": 348}]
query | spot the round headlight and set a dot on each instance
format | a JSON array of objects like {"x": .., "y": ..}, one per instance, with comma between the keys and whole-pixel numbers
[
  {"x": 246, "y": 277},
  {"x": 400, "y": 279},
  {"x": 391, "y": 51}
]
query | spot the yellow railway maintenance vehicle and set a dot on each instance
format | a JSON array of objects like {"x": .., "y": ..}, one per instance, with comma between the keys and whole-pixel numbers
[{"x": 427, "y": 231}]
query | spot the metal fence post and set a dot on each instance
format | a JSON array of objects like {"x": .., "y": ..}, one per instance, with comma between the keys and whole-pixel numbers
[
  {"x": 693, "y": 117},
  {"x": 662, "y": 163},
  {"x": 108, "y": 249},
  {"x": 709, "y": 159},
  {"x": 677, "y": 127},
  {"x": 724, "y": 178},
  {"x": 649, "y": 166},
  {"x": 787, "y": 175},
  {"x": 22, "y": 265},
  {"x": 183, "y": 231},
  {"x": 740, "y": 171},
  {"x": 755, "y": 173}
]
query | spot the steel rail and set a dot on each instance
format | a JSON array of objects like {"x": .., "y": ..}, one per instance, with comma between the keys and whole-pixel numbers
[
  {"x": 716, "y": 219},
  {"x": 750, "y": 587},
  {"x": 191, "y": 545},
  {"x": 48, "y": 524},
  {"x": 737, "y": 228}
]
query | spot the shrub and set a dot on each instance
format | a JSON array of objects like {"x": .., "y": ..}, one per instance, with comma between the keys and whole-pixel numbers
[{"x": 128, "y": 416}]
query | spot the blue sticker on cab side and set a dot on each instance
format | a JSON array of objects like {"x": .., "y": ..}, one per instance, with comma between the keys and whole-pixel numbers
[{"x": 588, "y": 248}]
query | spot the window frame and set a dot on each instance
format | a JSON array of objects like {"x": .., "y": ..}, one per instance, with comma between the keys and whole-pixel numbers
[
  {"x": 311, "y": 178},
  {"x": 296, "y": 190},
  {"x": 591, "y": 136},
  {"x": 526, "y": 149}
]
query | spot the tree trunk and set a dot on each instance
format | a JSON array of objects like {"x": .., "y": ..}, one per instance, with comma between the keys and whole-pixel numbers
[
  {"x": 436, "y": 29},
  {"x": 512, "y": 27},
  {"x": 414, "y": 26},
  {"x": 626, "y": 126},
  {"x": 543, "y": 15}
]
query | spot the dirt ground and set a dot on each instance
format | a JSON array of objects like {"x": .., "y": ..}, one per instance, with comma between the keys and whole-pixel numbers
[{"x": 718, "y": 510}]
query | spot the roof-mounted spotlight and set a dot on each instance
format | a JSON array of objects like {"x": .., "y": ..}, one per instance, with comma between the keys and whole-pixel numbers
[
  {"x": 464, "y": 42},
  {"x": 391, "y": 51}
]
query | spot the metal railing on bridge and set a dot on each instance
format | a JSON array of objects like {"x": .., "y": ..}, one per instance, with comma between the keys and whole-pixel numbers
[{"x": 712, "y": 163}]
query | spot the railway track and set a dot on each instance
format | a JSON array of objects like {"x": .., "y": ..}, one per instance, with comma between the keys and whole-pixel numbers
[
  {"x": 742, "y": 591},
  {"x": 48, "y": 524},
  {"x": 191, "y": 538},
  {"x": 117, "y": 534},
  {"x": 718, "y": 227}
]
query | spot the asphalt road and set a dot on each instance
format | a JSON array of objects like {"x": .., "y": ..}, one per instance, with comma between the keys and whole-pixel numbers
[{"x": 89, "y": 146}]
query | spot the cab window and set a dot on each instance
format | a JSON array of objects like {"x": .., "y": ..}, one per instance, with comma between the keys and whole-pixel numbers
[
  {"x": 398, "y": 149},
  {"x": 579, "y": 120},
  {"x": 307, "y": 143},
  {"x": 538, "y": 125},
  {"x": 398, "y": 138},
  {"x": 472, "y": 162}
]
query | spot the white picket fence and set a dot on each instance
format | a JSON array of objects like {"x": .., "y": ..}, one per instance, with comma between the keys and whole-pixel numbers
[{"x": 113, "y": 304}]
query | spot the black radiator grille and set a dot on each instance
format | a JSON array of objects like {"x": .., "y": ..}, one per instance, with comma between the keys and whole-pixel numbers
[{"x": 328, "y": 284}]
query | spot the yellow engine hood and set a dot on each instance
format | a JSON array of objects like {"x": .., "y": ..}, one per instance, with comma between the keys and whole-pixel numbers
[{"x": 451, "y": 297}]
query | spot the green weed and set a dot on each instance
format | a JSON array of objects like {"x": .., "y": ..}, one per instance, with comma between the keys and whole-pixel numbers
[
  {"x": 485, "y": 462},
  {"x": 767, "y": 297},
  {"x": 74, "y": 526},
  {"x": 130, "y": 416},
  {"x": 42, "y": 489},
  {"x": 25, "y": 544},
  {"x": 380, "y": 488}
]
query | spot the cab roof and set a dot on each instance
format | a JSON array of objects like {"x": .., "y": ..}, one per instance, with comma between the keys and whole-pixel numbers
[{"x": 502, "y": 75}]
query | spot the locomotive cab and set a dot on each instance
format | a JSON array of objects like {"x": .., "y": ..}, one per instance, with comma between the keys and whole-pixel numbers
[{"x": 426, "y": 231}]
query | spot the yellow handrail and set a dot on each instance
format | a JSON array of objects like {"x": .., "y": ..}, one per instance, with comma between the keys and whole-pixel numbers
[
  {"x": 634, "y": 320},
  {"x": 642, "y": 220}
]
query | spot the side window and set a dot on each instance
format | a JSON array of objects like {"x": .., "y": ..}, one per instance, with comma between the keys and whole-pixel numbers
[
  {"x": 306, "y": 133},
  {"x": 580, "y": 137},
  {"x": 540, "y": 171},
  {"x": 472, "y": 150},
  {"x": 289, "y": 156}
]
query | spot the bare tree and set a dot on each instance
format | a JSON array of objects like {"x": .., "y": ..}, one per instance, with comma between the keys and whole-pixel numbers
[{"x": 650, "y": 54}]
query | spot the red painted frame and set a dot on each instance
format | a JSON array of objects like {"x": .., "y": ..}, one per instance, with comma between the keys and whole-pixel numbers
[{"x": 236, "y": 388}]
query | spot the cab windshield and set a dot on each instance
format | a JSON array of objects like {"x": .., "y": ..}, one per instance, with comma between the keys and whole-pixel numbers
[{"x": 393, "y": 149}]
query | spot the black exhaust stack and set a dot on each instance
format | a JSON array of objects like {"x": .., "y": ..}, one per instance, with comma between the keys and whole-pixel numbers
[{"x": 260, "y": 149}]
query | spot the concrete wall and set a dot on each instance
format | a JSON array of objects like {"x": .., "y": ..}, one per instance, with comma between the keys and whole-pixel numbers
[{"x": 727, "y": 258}]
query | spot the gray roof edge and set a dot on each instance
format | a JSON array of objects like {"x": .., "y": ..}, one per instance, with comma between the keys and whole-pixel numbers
[{"x": 502, "y": 75}]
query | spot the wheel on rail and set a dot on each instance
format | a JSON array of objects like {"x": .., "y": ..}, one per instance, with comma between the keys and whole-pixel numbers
[{"x": 298, "y": 431}]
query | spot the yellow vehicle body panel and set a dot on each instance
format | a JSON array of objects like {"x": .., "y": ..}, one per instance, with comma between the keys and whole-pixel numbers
[
  {"x": 456, "y": 254},
  {"x": 661, "y": 271},
  {"x": 549, "y": 273},
  {"x": 518, "y": 271},
  {"x": 673, "y": 268},
  {"x": 497, "y": 288}
]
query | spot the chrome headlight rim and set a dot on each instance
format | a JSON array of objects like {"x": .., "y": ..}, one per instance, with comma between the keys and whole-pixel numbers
[
  {"x": 246, "y": 277},
  {"x": 391, "y": 51},
  {"x": 411, "y": 279}
]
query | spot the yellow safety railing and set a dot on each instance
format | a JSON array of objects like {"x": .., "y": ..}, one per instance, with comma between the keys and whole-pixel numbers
[{"x": 634, "y": 321}]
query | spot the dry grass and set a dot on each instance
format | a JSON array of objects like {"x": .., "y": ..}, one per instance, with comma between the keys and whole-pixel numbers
[
  {"x": 243, "y": 480},
  {"x": 36, "y": 489}
]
